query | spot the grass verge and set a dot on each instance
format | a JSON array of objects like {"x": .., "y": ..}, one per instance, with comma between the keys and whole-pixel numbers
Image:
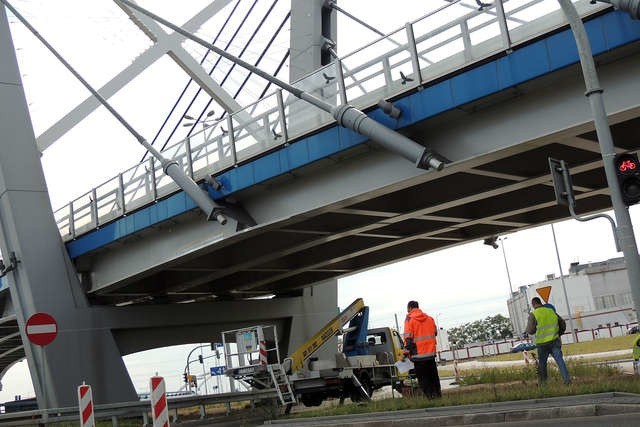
[{"x": 501, "y": 385}]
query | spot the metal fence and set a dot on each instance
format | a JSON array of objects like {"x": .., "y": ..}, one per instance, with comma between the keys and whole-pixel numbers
[
  {"x": 449, "y": 38},
  {"x": 504, "y": 346}
]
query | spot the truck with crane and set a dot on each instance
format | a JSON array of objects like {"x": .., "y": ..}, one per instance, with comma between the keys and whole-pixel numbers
[{"x": 365, "y": 363}]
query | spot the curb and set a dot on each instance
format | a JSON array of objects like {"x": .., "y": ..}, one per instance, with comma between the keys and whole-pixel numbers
[{"x": 511, "y": 411}]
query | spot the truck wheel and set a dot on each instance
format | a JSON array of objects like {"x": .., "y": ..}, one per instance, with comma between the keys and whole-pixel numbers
[{"x": 312, "y": 399}]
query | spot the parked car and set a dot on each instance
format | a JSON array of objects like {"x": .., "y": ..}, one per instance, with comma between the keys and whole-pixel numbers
[{"x": 522, "y": 346}]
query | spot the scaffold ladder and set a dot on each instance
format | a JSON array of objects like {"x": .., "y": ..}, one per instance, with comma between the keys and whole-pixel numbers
[{"x": 282, "y": 384}]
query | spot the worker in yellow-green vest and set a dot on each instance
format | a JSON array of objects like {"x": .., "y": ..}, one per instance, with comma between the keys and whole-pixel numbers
[
  {"x": 636, "y": 354},
  {"x": 547, "y": 326}
]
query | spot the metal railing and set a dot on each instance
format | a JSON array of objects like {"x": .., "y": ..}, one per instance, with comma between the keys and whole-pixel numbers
[
  {"x": 141, "y": 409},
  {"x": 454, "y": 36}
]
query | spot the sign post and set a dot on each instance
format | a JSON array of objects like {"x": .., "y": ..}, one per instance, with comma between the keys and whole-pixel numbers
[{"x": 42, "y": 329}]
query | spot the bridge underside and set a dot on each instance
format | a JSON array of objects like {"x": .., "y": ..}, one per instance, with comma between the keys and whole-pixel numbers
[{"x": 365, "y": 207}]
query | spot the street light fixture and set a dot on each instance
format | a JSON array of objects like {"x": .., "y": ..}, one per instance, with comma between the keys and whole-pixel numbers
[
  {"x": 491, "y": 241},
  {"x": 195, "y": 121}
]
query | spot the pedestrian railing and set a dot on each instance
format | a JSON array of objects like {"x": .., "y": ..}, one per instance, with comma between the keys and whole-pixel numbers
[{"x": 447, "y": 39}]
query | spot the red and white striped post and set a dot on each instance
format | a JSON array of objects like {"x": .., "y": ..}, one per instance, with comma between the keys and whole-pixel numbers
[
  {"x": 85, "y": 405},
  {"x": 456, "y": 373},
  {"x": 159, "y": 408},
  {"x": 262, "y": 347}
]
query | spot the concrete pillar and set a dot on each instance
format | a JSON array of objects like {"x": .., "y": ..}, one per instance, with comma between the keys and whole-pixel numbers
[
  {"x": 319, "y": 305},
  {"x": 44, "y": 279},
  {"x": 310, "y": 24}
]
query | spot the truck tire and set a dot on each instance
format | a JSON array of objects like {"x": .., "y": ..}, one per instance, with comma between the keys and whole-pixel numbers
[{"x": 312, "y": 399}]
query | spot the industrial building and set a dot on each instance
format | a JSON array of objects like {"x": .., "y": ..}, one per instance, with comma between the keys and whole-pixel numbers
[{"x": 598, "y": 295}]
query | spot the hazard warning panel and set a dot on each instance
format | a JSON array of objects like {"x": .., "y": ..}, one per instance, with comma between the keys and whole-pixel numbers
[{"x": 42, "y": 329}]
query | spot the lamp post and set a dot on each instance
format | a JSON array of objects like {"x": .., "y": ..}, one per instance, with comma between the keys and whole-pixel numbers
[
  {"x": 506, "y": 266},
  {"x": 564, "y": 287},
  {"x": 206, "y": 122},
  {"x": 593, "y": 93},
  {"x": 491, "y": 241}
]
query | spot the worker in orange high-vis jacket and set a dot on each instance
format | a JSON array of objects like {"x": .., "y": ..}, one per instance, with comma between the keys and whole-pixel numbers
[{"x": 420, "y": 340}]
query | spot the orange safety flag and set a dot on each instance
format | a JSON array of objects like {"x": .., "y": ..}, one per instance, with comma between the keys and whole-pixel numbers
[{"x": 544, "y": 292}]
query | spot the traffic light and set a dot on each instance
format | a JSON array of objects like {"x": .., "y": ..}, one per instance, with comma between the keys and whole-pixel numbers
[
  {"x": 200, "y": 358},
  {"x": 628, "y": 172},
  {"x": 192, "y": 380},
  {"x": 186, "y": 380},
  {"x": 562, "y": 184}
]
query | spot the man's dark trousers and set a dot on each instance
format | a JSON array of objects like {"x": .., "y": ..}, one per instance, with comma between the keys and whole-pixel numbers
[{"x": 427, "y": 373}]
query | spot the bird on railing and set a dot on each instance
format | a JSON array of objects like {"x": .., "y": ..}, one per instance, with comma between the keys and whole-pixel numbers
[
  {"x": 327, "y": 78},
  {"x": 275, "y": 134},
  {"x": 482, "y": 5},
  {"x": 404, "y": 78}
]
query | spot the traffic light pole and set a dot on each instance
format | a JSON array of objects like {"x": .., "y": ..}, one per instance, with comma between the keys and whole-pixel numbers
[{"x": 624, "y": 230}]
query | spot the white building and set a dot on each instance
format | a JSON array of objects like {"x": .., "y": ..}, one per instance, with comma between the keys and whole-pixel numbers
[{"x": 598, "y": 293}]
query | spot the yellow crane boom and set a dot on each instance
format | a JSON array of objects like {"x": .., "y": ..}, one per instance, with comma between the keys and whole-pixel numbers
[{"x": 333, "y": 327}]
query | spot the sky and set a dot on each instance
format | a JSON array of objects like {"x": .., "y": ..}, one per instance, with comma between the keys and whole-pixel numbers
[{"x": 458, "y": 285}]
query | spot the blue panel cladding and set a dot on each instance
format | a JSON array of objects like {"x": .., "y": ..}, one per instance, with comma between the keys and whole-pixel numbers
[
  {"x": 619, "y": 29},
  {"x": 93, "y": 240},
  {"x": 267, "y": 167},
  {"x": 606, "y": 32},
  {"x": 475, "y": 83},
  {"x": 429, "y": 102},
  {"x": 523, "y": 65},
  {"x": 295, "y": 155},
  {"x": 239, "y": 177},
  {"x": 136, "y": 221},
  {"x": 323, "y": 144}
]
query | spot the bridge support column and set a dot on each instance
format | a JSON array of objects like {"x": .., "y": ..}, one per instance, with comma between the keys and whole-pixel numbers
[
  {"x": 311, "y": 24},
  {"x": 43, "y": 279},
  {"x": 319, "y": 305}
]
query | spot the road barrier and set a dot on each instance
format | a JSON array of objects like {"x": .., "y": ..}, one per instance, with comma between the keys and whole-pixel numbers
[
  {"x": 159, "y": 408},
  {"x": 85, "y": 406}
]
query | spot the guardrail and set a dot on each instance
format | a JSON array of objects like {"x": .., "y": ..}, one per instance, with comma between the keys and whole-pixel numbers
[
  {"x": 132, "y": 409},
  {"x": 451, "y": 37}
]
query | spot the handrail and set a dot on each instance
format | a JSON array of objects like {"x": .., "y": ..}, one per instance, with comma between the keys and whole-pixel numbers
[
  {"x": 383, "y": 74},
  {"x": 130, "y": 409}
]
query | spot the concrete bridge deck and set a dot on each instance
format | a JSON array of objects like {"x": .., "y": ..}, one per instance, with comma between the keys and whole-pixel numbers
[{"x": 331, "y": 203}]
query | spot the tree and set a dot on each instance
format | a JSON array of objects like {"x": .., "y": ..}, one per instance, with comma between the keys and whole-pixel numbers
[{"x": 490, "y": 328}]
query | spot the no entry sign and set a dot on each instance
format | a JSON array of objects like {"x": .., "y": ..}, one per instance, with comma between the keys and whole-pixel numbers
[{"x": 42, "y": 329}]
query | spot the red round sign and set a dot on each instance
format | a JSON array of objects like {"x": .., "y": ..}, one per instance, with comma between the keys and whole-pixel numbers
[{"x": 42, "y": 329}]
